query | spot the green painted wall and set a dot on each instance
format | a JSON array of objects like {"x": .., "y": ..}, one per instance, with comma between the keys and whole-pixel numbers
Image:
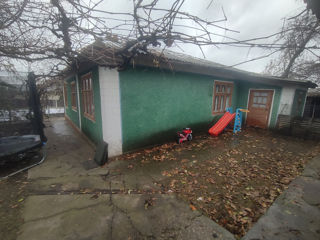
[
  {"x": 155, "y": 104},
  {"x": 298, "y": 102},
  {"x": 93, "y": 129},
  {"x": 72, "y": 114}
]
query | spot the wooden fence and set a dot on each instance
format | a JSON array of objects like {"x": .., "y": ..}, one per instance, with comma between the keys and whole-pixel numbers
[{"x": 308, "y": 128}]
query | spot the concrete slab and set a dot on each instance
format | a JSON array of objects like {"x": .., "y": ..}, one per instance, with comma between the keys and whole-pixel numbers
[
  {"x": 66, "y": 217},
  {"x": 115, "y": 217},
  {"x": 83, "y": 214}
]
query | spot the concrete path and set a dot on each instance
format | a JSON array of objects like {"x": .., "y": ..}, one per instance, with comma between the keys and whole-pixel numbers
[
  {"x": 74, "y": 199},
  {"x": 296, "y": 213}
]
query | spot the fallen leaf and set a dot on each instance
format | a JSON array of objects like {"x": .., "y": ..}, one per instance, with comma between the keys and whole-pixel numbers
[{"x": 193, "y": 208}]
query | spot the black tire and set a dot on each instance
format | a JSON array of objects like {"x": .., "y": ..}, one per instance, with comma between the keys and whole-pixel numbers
[{"x": 189, "y": 137}]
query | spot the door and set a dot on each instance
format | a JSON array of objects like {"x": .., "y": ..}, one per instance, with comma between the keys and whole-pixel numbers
[
  {"x": 260, "y": 102},
  {"x": 298, "y": 103}
]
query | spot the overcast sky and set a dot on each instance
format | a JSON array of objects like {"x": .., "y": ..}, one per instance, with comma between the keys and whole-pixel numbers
[{"x": 252, "y": 18}]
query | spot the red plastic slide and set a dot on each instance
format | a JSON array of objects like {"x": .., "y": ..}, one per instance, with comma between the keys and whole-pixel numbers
[{"x": 221, "y": 124}]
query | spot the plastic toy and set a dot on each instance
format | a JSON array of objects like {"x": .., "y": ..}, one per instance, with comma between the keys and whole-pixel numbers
[
  {"x": 238, "y": 120},
  {"x": 184, "y": 135},
  {"x": 223, "y": 122}
]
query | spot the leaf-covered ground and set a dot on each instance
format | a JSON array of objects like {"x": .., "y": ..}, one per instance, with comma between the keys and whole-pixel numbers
[
  {"x": 233, "y": 179},
  {"x": 12, "y": 196}
]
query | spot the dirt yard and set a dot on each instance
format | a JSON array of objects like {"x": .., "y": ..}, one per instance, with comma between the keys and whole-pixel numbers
[
  {"x": 13, "y": 193},
  {"x": 233, "y": 179}
]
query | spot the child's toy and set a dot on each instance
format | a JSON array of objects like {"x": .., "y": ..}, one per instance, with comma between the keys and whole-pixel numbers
[
  {"x": 222, "y": 123},
  {"x": 226, "y": 119},
  {"x": 184, "y": 135},
  {"x": 238, "y": 120}
]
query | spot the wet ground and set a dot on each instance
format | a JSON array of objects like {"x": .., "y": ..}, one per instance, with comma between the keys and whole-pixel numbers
[
  {"x": 71, "y": 198},
  {"x": 13, "y": 192},
  {"x": 169, "y": 191},
  {"x": 233, "y": 179}
]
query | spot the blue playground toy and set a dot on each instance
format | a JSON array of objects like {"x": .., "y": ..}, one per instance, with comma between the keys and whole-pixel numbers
[{"x": 238, "y": 118}]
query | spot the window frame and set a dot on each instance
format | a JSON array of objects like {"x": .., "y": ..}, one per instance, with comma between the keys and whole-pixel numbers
[
  {"x": 73, "y": 95},
  {"x": 87, "y": 96},
  {"x": 65, "y": 89},
  {"x": 220, "y": 95}
]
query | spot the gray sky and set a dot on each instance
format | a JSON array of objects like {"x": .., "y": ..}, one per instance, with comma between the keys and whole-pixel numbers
[{"x": 253, "y": 18}]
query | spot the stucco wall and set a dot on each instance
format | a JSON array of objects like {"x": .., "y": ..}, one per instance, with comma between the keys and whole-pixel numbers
[
  {"x": 155, "y": 104},
  {"x": 110, "y": 109}
]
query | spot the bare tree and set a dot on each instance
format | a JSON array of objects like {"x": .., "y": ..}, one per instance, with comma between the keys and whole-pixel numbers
[
  {"x": 57, "y": 30},
  {"x": 299, "y": 53}
]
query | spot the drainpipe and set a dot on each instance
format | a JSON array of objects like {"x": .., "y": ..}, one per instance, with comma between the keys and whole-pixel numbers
[{"x": 78, "y": 98}]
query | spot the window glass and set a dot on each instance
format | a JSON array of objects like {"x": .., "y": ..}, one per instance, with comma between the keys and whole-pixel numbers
[
  {"x": 262, "y": 106},
  {"x": 87, "y": 96},
  {"x": 221, "y": 103},
  {"x": 222, "y": 96},
  {"x": 264, "y": 100},
  {"x": 216, "y": 100},
  {"x": 227, "y": 101},
  {"x": 73, "y": 95}
]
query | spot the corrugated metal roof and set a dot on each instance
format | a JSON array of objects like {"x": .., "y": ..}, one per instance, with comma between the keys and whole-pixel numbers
[{"x": 104, "y": 53}]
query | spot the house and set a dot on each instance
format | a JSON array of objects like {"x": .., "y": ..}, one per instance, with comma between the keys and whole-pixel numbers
[
  {"x": 156, "y": 94},
  {"x": 52, "y": 98}
]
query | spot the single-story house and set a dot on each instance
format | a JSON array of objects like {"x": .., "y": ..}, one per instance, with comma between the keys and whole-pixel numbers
[{"x": 156, "y": 94}]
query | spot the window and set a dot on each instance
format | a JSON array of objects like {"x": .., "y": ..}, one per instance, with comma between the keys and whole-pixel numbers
[
  {"x": 260, "y": 99},
  {"x": 73, "y": 96},
  {"x": 222, "y": 96},
  {"x": 65, "y": 90},
  {"x": 87, "y": 96}
]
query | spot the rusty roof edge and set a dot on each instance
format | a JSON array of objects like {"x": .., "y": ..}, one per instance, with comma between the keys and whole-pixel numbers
[
  {"x": 185, "y": 63},
  {"x": 218, "y": 71}
]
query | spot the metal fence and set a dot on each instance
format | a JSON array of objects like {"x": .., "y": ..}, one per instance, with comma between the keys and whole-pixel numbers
[
  {"x": 304, "y": 127},
  {"x": 20, "y": 108}
]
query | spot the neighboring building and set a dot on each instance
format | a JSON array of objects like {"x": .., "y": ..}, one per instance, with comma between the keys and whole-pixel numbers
[
  {"x": 52, "y": 98},
  {"x": 312, "y": 106},
  {"x": 155, "y": 95}
]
